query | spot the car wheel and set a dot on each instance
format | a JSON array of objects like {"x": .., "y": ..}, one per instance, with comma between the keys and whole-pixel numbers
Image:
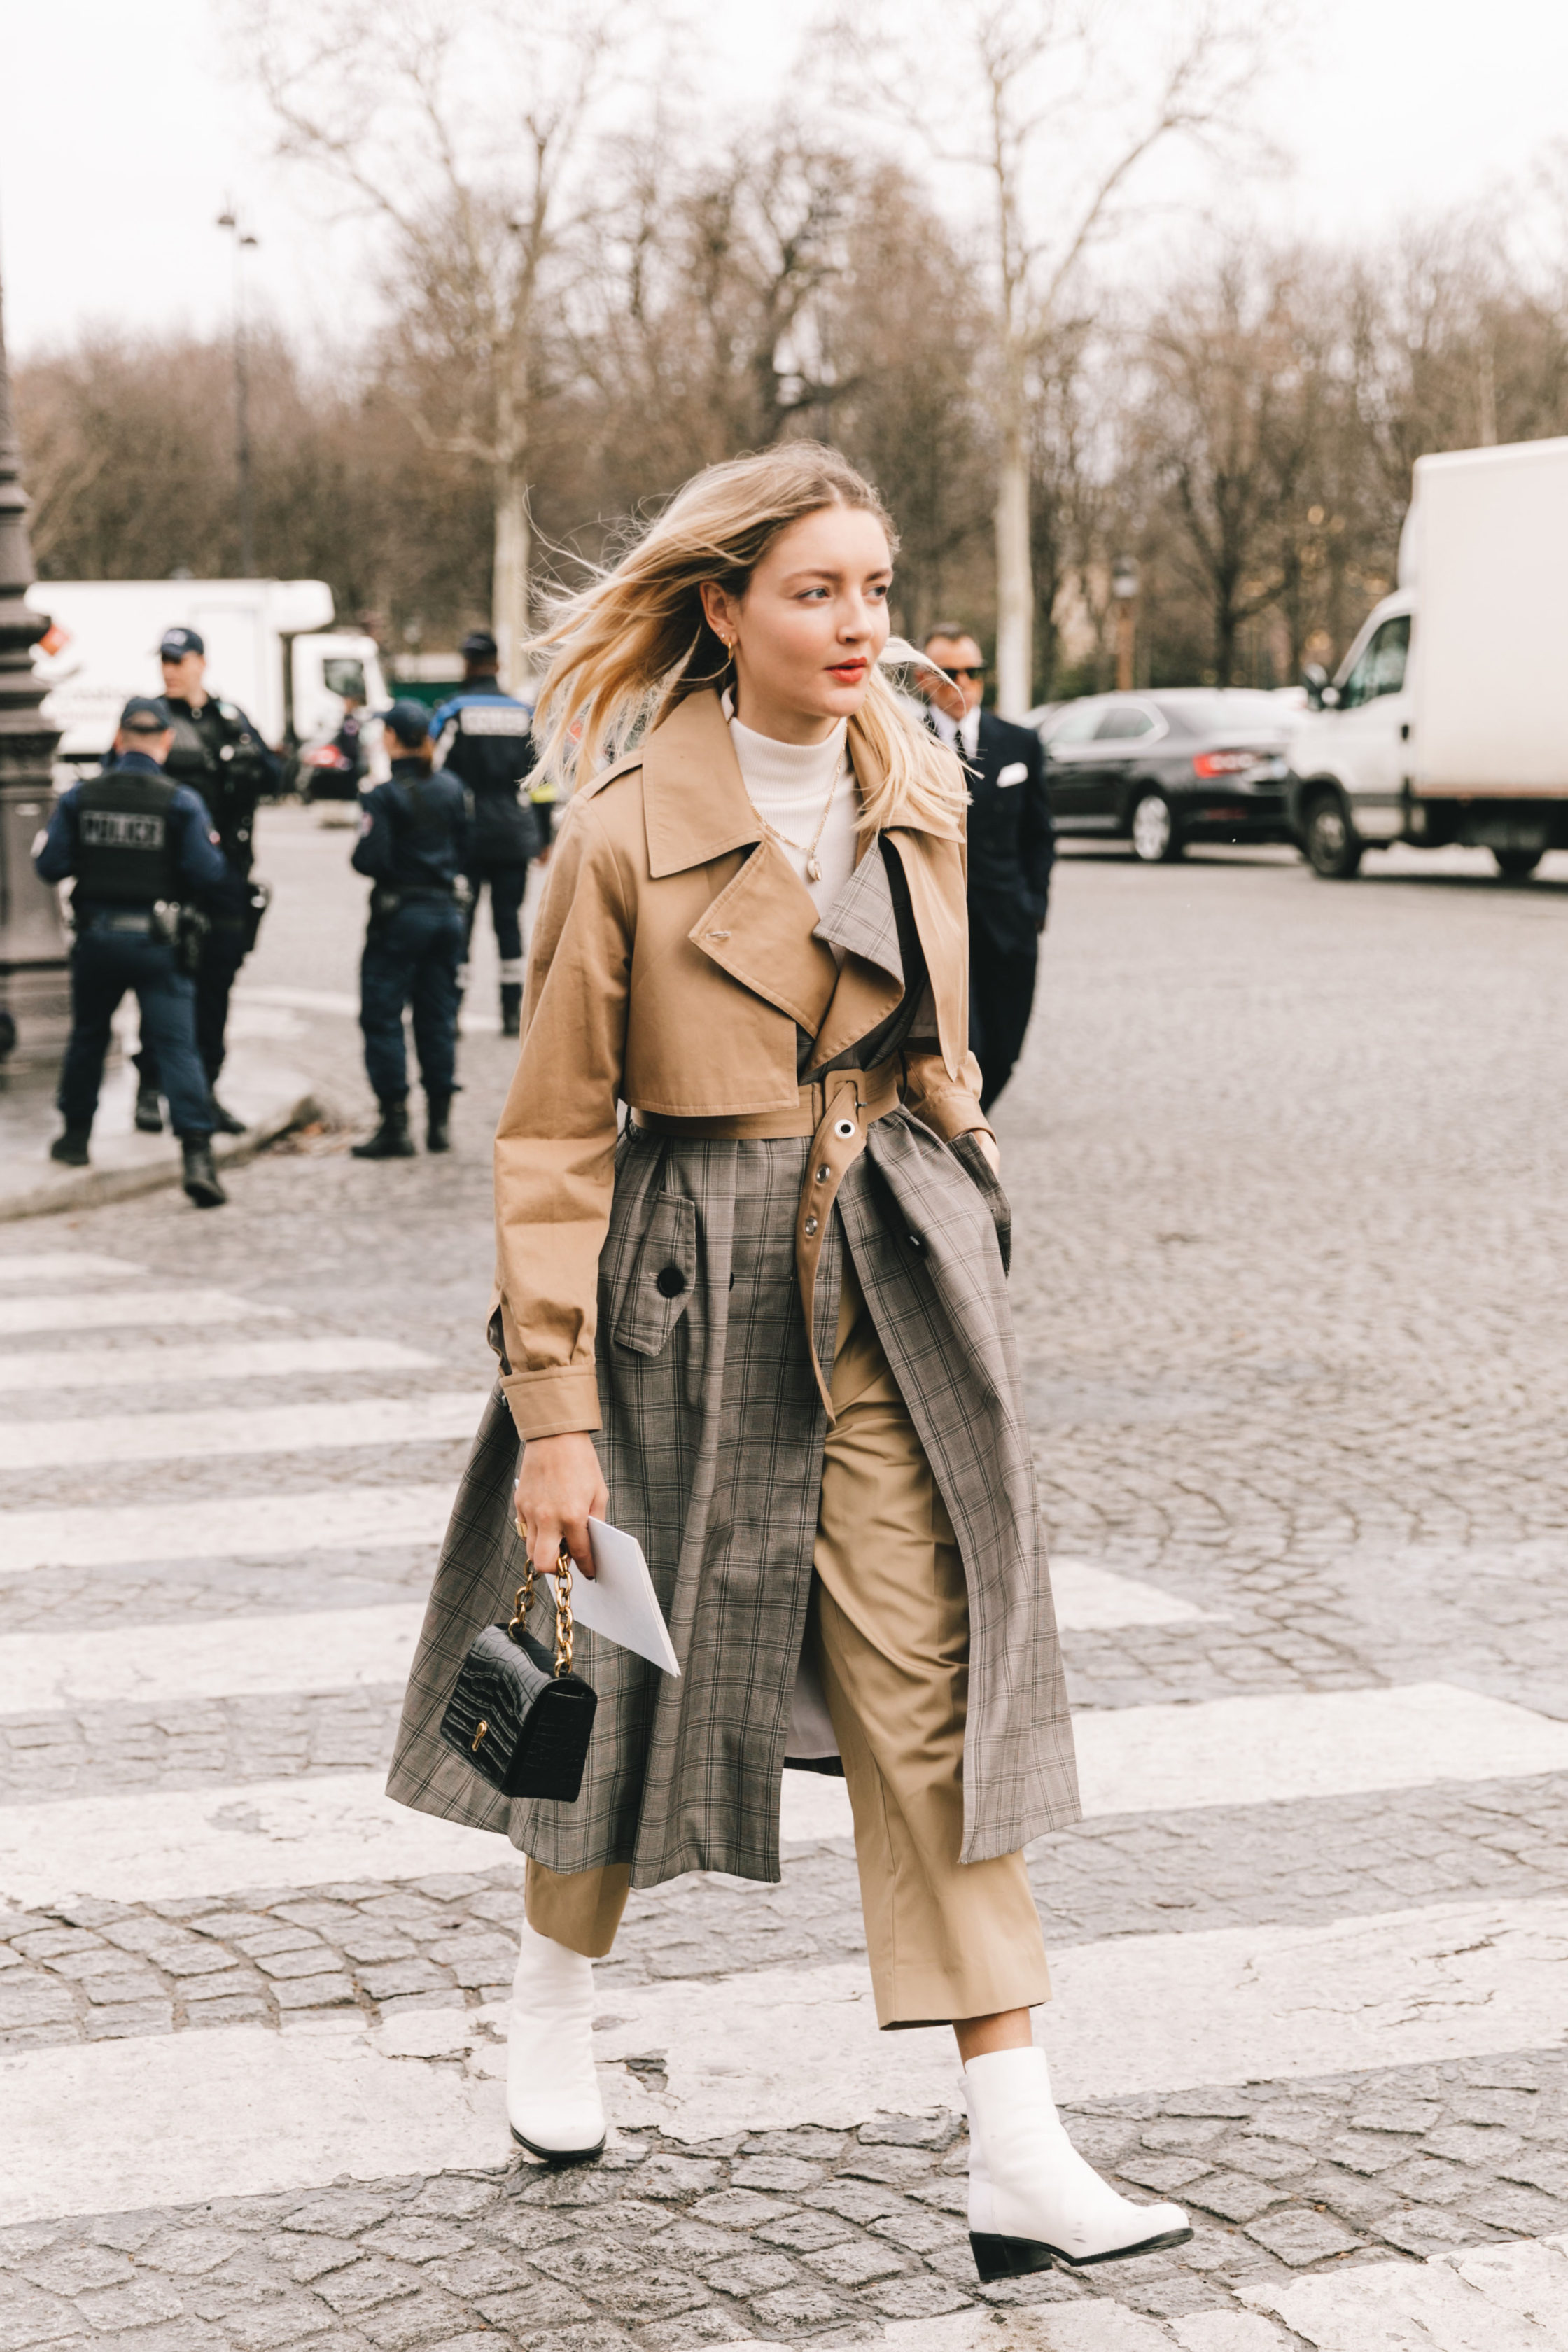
[
  {"x": 1155, "y": 840},
  {"x": 1518, "y": 865},
  {"x": 1332, "y": 849}
]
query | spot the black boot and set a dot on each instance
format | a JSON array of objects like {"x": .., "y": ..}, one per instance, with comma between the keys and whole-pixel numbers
[
  {"x": 224, "y": 1121},
  {"x": 438, "y": 1111},
  {"x": 149, "y": 1111},
  {"x": 511, "y": 1008},
  {"x": 71, "y": 1146},
  {"x": 392, "y": 1140},
  {"x": 201, "y": 1176}
]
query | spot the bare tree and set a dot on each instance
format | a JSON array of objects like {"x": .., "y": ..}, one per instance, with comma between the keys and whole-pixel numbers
[
  {"x": 461, "y": 128},
  {"x": 1033, "y": 95},
  {"x": 1241, "y": 383}
]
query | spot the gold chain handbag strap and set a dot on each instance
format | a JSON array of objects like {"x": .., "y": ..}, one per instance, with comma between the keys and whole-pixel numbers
[{"x": 562, "y": 1573}]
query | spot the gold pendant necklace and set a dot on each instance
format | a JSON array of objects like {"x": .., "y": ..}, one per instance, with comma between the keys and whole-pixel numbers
[{"x": 812, "y": 863}]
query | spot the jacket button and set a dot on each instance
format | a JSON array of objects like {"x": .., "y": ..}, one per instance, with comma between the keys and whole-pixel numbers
[
  {"x": 670, "y": 1281},
  {"x": 810, "y": 1227},
  {"x": 824, "y": 1172}
]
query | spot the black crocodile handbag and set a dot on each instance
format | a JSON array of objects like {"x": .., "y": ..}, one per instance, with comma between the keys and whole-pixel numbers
[{"x": 518, "y": 1716}]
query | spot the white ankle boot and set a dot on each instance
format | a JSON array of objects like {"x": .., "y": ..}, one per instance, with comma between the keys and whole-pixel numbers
[
  {"x": 1033, "y": 2200},
  {"x": 553, "y": 2101}
]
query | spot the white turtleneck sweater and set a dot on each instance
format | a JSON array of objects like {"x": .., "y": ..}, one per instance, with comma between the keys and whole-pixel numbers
[{"x": 787, "y": 784}]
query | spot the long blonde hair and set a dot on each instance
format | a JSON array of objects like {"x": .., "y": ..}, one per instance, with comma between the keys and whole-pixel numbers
[{"x": 626, "y": 649}]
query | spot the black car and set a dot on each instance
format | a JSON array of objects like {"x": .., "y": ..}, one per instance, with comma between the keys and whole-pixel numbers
[{"x": 1194, "y": 763}]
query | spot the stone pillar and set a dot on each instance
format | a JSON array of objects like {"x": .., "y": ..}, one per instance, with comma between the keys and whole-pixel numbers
[{"x": 34, "y": 991}]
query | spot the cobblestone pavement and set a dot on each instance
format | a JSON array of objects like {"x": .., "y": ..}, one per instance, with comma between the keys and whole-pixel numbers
[{"x": 1283, "y": 1160}]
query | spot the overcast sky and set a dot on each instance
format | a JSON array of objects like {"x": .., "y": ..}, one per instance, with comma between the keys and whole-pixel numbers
[{"x": 122, "y": 136}]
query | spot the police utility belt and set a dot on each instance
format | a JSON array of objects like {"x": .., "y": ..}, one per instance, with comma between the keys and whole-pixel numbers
[
  {"x": 385, "y": 900},
  {"x": 179, "y": 926}
]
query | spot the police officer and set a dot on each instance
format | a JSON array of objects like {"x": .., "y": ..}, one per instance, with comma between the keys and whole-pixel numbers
[
  {"x": 220, "y": 756},
  {"x": 484, "y": 737},
  {"x": 414, "y": 845},
  {"x": 1012, "y": 847},
  {"x": 145, "y": 853}
]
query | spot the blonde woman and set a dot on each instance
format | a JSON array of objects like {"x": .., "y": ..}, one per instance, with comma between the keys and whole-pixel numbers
[{"x": 763, "y": 1325}]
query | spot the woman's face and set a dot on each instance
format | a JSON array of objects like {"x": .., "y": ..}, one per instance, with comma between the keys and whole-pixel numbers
[{"x": 810, "y": 625}]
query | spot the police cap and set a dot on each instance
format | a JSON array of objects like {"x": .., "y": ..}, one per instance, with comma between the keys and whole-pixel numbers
[
  {"x": 409, "y": 722},
  {"x": 178, "y": 643},
  {"x": 145, "y": 714},
  {"x": 479, "y": 646}
]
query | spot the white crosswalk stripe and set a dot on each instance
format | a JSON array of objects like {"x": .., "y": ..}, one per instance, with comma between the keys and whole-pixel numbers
[
  {"x": 183, "y": 1844},
  {"x": 221, "y": 1657},
  {"x": 162, "y": 1845},
  {"x": 241, "y": 1429},
  {"x": 42, "y": 1369},
  {"x": 63, "y": 1265},
  {"x": 776, "y": 2049},
  {"x": 242, "y": 1526},
  {"x": 1274, "y": 1751},
  {"x": 236, "y": 2111},
  {"x": 320, "y": 1650},
  {"x": 127, "y": 1310},
  {"x": 232, "y": 2112}
]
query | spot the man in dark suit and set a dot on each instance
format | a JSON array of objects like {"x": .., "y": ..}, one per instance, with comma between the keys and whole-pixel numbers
[{"x": 1012, "y": 844}]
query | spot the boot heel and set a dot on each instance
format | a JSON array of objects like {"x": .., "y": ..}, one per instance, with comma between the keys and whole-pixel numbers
[
  {"x": 560, "y": 2155},
  {"x": 1005, "y": 2258}
]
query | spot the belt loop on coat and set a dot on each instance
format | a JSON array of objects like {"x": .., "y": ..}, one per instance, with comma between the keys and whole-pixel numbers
[{"x": 851, "y": 1101}]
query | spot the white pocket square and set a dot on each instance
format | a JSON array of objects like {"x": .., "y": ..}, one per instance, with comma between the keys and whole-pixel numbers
[{"x": 1014, "y": 773}]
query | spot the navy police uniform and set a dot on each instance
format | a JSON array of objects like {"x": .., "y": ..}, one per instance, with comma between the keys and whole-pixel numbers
[
  {"x": 1012, "y": 847},
  {"x": 414, "y": 844},
  {"x": 484, "y": 738},
  {"x": 218, "y": 754},
  {"x": 140, "y": 848}
]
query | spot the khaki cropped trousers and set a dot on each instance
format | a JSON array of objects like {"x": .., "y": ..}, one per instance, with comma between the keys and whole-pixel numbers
[{"x": 888, "y": 1631}]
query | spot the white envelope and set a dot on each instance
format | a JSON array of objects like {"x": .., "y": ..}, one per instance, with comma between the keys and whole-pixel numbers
[
  {"x": 1014, "y": 772},
  {"x": 618, "y": 1600}
]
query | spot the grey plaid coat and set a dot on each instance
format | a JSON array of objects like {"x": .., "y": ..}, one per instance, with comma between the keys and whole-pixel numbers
[{"x": 711, "y": 1442}]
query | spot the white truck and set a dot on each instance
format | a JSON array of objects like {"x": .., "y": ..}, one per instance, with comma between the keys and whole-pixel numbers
[
  {"x": 1448, "y": 721},
  {"x": 270, "y": 647}
]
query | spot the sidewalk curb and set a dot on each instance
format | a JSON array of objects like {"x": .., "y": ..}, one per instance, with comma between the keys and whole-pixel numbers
[{"x": 93, "y": 1187}]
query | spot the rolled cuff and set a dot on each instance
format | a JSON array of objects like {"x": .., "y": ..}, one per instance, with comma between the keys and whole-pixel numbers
[
  {"x": 552, "y": 1403},
  {"x": 954, "y": 1111}
]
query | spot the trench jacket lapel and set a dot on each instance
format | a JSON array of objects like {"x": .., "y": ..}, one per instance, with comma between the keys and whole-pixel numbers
[
  {"x": 861, "y": 922},
  {"x": 934, "y": 867},
  {"x": 761, "y": 928}
]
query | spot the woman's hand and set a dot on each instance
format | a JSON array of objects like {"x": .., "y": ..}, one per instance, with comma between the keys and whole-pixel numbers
[{"x": 560, "y": 1489}]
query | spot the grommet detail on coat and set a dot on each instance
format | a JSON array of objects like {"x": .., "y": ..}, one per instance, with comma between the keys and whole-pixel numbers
[
  {"x": 670, "y": 1281},
  {"x": 844, "y": 1126},
  {"x": 810, "y": 1226}
]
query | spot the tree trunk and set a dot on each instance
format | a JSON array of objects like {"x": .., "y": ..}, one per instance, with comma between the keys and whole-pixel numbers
[
  {"x": 1225, "y": 630},
  {"x": 1014, "y": 574},
  {"x": 509, "y": 587}
]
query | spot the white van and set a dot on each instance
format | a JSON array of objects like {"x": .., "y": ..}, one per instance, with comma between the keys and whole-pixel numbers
[
  {"x": 270, "y": 647},
  {"x": 1448, "y": 721}
]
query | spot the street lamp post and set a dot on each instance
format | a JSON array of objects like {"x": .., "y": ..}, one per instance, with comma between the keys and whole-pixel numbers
[
  {"x": 244, "y": 242},
  {"x": 1125, "y": 582},
  {"x": 34, "y": 991}
]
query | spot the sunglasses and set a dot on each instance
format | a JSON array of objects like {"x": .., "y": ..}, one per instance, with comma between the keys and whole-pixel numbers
[{"x": 979, "y": 672}]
